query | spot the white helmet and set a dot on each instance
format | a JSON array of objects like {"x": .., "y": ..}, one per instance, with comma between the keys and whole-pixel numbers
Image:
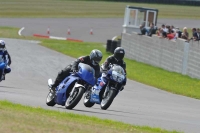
[{"x": 2, "y": 44}]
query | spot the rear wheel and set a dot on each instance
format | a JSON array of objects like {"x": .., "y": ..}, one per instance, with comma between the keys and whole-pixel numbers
[
  {"x": 74, "y": 98},
  {"x": 50, "y": 101},
  {"x": 107, "y": 100},
  {"x": 86, "y": 100}
]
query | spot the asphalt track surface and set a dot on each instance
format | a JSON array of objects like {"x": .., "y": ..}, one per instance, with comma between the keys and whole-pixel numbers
[
  {"x": 138, "y": 104},
  {"x": 103, "y": 28}
]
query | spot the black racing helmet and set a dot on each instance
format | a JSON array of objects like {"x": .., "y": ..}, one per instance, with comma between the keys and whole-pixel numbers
[
  {"x": 119, "y": 53},
  {"x": 96, "y": 56}
]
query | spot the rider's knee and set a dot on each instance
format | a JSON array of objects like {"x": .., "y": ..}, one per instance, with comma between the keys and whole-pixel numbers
[{"x": 7, "y": 70}]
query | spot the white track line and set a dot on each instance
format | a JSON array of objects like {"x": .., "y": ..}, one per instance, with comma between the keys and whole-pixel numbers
[
  {"x": 59, "y": 38},
  {"x": 19, "y": 32}
]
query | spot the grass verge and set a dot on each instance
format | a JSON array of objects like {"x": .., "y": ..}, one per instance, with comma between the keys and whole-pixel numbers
[
  {"x": 16, "y": 118},
  {"x": 92, "y": 9}
]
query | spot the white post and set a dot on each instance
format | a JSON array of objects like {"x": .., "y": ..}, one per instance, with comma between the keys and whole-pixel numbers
[
  {"x": 126, "y": 18},
  {"x": 185, "y": 58}
]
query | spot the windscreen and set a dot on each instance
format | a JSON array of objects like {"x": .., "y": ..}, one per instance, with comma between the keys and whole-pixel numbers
[{"x": 118, "y": 69}]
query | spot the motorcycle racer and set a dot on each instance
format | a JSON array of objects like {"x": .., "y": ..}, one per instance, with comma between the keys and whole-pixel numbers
[
  {"x": 116, "y": 58},
  {"x": 5, "y": 60},
  {"x": 93, "y": 60}
]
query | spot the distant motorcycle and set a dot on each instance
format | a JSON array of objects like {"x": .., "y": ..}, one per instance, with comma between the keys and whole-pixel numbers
[
  {"x": 106, "y": 89},
  {"x": 69, "y": 92},
  {"x": 2, "y": 68}
]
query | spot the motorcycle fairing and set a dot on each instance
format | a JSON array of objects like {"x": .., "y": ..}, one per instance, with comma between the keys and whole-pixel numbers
[
  {"x": 86, "y": 73},
  {"x": 96, "y": 90},
  {"x": 61, "y": 90},
  {"x": 94, "y": 98}
]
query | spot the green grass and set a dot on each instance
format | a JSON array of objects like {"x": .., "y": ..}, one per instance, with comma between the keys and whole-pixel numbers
[
  {"x": 12, "y": 32},
  {"x": 16, "y": 118},
  {"x": 147, "y": 74},
  {"x": 66, "y": 9}
]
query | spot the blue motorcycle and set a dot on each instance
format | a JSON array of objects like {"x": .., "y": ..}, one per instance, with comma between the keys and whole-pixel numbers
[
  {"x": 2, "y": 68},
  {"x": 70, "y": 91},
  {"x": 4, "y": 64},
  {"x": 106, "y": 89}
]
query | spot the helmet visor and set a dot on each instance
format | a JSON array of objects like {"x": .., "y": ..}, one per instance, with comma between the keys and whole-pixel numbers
[
  {"x": 97, "y": 60},
  {"x": 2, "y": 46},
  {"x": 119, "y": 56}
]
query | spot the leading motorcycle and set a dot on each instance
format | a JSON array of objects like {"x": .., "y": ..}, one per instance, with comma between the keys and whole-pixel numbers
[
  {"x": 106, "y": 89},
  {"x": 69, "y": 92}
]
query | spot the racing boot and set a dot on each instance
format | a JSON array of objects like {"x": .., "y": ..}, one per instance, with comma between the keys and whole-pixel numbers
[{"x": 54, "y": 85}]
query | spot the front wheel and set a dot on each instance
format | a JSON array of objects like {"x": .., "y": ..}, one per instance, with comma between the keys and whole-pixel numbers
[
  {"x": 50, "y": 101},
  {"x": 74, "y": 98},
  {"x": 107, "y": 100},
  {"x": 86, "y": 100}
]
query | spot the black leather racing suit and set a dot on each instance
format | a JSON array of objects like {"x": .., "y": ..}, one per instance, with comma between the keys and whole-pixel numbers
[
  {"x": 111, "y": 59},
  {"x": 74, "y": 66}
]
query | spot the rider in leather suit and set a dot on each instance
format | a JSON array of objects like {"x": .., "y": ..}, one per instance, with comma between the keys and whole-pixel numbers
[
  {"x": 4, "y": 58},
  {"x": 93, "y": 60},
  {"x": 116, "y": 58}
]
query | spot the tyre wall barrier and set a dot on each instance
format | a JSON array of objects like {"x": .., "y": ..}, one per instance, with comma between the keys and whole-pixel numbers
[
  {"x": 108, "y": 45},
  {"x": 112, "y": 45}
]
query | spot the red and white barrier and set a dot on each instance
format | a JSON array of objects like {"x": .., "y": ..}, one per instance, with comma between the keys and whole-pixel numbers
[{"x": 58, "y": 38}]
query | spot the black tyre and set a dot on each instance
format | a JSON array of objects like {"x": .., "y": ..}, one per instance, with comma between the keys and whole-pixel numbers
[
  {"x": 86, "y": 100},
  {"x": 107, "y": 100},
  {"x": 50, "y": 101},
  {"x": 73, "y": 99}
]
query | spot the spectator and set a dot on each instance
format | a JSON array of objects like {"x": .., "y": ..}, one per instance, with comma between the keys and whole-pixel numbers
[
  {"x": 170, "y": 33},
  {"x": 143, "y": 29},
  {"x": 185, "y": 34},
  {"x": 164, "y": 27},
  {"x": 152, "y": 29},
  {"x": 172, "y": 29},
  {"x": 194, "y": 34},
  {"x": 159, "y": 32},
  {"x": 198, "y": 33},
  {"x": 164, "y": 31},
  {"x": 178, "y": 32}
]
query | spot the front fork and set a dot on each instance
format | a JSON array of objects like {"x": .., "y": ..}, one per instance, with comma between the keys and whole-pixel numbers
[
  {"x": 72, "y": 92},
  {"x": 76, "y": 85},
  {"x": 108, "y": 88}
]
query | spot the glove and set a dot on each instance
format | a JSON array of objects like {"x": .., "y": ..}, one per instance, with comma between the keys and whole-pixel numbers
[
  {"x": 103, "y": 74},
  {"x": 74, "y": 70}
]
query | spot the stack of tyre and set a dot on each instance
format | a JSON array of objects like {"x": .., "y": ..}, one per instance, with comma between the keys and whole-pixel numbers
[{"x": 111, "y": 45}]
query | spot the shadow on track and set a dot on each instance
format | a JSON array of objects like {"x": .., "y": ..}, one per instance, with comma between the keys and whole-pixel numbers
[
  {"x": 7, "y": 87},
  {"x": 105, "y": 112}
]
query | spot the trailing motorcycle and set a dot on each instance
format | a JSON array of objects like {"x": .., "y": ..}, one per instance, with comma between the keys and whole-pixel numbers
[
  {"x": 69, "y": 92},
  {"x": 106, "y": 89}
]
